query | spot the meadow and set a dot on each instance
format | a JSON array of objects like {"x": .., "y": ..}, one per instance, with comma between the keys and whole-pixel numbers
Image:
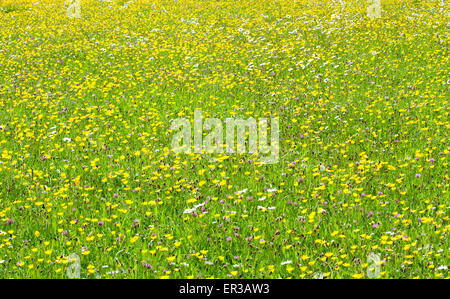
[{"x": 87, "y": 170}]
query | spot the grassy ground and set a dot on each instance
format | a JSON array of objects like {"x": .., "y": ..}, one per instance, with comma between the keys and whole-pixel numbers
[{"x": 86, "y": 166}]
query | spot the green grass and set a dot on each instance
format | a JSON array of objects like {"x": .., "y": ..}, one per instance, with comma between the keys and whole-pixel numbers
[{"x": 86, "y": 165}]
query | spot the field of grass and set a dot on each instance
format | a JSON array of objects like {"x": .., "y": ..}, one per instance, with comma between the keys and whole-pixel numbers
[{"x": 87, "y": 170}]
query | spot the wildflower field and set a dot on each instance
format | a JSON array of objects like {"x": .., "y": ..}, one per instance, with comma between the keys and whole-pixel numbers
[{"x": 89, "y": 181}]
